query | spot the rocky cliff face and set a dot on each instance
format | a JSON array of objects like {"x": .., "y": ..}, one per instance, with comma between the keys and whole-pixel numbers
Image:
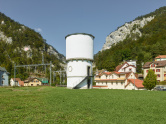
[
  {"x": 126, "y": 30},
  {"x": 5, "y": 38}
]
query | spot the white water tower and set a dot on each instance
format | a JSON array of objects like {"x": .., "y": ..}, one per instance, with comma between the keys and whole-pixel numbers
[{"x": 79, "y": 58}]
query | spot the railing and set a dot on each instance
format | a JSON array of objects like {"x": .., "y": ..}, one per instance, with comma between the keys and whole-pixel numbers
[{"x": 80, "y": 81}]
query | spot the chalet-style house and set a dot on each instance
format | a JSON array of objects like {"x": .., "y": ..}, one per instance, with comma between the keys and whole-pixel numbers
[
  {"x": 123, "y": 77},
  {"x": 4, "y": 76},
  {"x": 16, "y": 82},
  {"x": 160, "y": 58},
  {"x": 131, "y": 62},
  {"x": 125, "y": 67},
  {"x": 36, "y": 82},
  {"x": 119, "y": 80},
  {"x": 159, "y": 67}
]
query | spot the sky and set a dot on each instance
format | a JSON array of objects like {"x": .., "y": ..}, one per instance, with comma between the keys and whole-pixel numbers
[{"x": 54, "y": 19}]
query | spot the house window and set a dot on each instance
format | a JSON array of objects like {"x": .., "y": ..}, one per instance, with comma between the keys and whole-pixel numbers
[
  {"x": 121, "y": 83},
  {"x": 130, "y": 69},
  {"x": 112, "y": 83},
  {"x": 31, "y": 84},
  {"x": 154, "y": 70},
  {"x": 157, "y": 70},
  {"x": 112, "y": 76},
  {"x": 119, "y": 76},
  {"x": 116, "y": 83},
  {"x": 2, "y": 82},
  {"x": 158, "y": 75},
  {"x": 152, "y": 65},
  {"x": 147, "y": 71},
  {"x": 164, "y": 75}
]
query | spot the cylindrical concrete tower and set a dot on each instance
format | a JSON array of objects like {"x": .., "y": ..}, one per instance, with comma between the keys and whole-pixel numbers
[{"x": 79, "y": 57}]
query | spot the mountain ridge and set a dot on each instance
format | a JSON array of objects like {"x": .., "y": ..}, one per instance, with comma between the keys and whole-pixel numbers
[
  {"x": 20, "y": 44},
  {"x": 143, "y": 48}
]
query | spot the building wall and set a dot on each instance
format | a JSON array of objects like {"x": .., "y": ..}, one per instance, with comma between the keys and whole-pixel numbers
[
  {"x": 1, "y": 73},
  {"x": 104, "y": 76},
  {"x": 116, "y": 84},
  {"x": 4, "y": 79},
  {"x": 12, "y": 83},
  {"x": 132, "y": 76},
  {"x": 131, "y": 87},
  {"x": 122, "y": 70},
  {"x": 101, "y": 83},
  {"x": 112, "y": 76},
  {"x": 34, "y": 82},
  {"x": 161, "y": 75},
  {"x": 26, "y": 84},
  {"x": 77, "y": 71},
  {"x": 132, "y": 63},
  {"x": 79, "y": 46},
  {"x": 133, "y": 69},
  {"x": 160, "y": 59},
  {"x": 97, "y": 77},
  {"x": 122, "y": 76}
]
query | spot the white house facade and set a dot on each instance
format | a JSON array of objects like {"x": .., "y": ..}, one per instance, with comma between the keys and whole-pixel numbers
[
  {"x": 159, "y": 67},
  {"x": 119, "y": 80},
  {"x": 126, "y": 67}
]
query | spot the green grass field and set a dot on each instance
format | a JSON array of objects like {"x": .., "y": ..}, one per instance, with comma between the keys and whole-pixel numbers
[{"x": 96, "y": 106}]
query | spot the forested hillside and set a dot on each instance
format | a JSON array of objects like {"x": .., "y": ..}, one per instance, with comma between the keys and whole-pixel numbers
[
  {"x": 151, "y": 44},
  {"x": 22, "y": 45}
]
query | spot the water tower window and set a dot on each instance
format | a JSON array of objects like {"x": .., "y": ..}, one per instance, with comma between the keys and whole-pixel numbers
[{"x": 88, "y": 71}]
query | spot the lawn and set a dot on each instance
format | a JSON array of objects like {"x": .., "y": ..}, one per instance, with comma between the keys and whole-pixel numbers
[{"x": 96, "y": 106}]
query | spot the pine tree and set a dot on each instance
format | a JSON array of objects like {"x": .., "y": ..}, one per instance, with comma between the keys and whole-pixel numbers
[{"x": 150, "y": 80}]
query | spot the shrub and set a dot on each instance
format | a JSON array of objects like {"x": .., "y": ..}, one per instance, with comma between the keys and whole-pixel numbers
[{"x": 150, "y": 80}]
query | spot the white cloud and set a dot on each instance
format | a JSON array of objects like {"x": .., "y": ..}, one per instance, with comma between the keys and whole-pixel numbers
[{"x": 38, "y": 29}]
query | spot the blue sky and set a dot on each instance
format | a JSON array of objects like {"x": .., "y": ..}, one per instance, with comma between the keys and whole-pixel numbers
[{"x": 55, "y": 19}]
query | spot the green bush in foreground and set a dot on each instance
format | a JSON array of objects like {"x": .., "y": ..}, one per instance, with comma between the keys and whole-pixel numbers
[{"x": 150, "y": 80}]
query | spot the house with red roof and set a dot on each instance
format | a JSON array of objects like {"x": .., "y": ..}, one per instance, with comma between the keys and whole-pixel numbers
[
  {"x": 16, "y": 82},
  {"x": 160, "y": 58},
  {"x": 159, "y": 67},
  {"x": 126, "y": 67},
  {"x": 118, "y": 80},
  {"x": 124, "y": 77}
]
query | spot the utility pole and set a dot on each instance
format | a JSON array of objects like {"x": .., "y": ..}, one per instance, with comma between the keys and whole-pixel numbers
[
  {"x": 60, "y": 73},
  {"x": 60, "y": 76},
  {"x": 15, "y": 73},
  {"x": 50, "y": 72},
  {"x": 134, "y": 81},
  {"x": 32, "y": 65}
]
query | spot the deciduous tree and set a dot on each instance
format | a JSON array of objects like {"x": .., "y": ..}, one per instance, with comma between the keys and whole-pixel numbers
[{"x": 150, "y": 80}]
